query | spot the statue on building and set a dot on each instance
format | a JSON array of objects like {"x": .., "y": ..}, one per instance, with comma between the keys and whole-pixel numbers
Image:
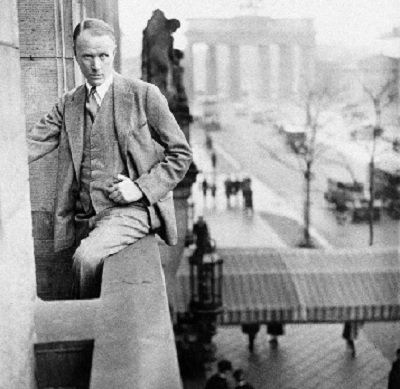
[
  {"x": 161, "y": 66},
  {"x": 161, "y": 62},
  {"x": 158, "y": 52}
]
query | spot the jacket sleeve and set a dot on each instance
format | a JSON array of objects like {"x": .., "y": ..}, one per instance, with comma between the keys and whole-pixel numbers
[
  {"x": 43, "y": 137},
  {"x": 166, "y": 174}
]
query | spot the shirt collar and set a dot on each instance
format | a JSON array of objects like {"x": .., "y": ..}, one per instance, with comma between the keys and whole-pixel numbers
[{"x": 102, "y": 89}]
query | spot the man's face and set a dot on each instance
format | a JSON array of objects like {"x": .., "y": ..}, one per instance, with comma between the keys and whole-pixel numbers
[{"x": 95, "y": 56}]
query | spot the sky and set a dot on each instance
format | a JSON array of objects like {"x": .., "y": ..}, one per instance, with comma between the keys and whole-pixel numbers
[{"x": 337, "y": 22}]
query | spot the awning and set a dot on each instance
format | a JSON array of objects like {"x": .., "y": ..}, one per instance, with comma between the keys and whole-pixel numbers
[{"x": 299, "y": 285}]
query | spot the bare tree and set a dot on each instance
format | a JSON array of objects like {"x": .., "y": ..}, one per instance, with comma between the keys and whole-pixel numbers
[
  {"x": 380, "y": 97},
  {"x": 316, "y": 102}
]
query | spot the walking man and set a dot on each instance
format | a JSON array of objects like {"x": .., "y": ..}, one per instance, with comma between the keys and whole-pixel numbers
[
  {"x": 220, "y": 379},
  {"x": 120, "y": 154},
  {"x": 228, "y": 191},
  {"x": 204, "y": 187},
  {"x": 251, "y": 329},
  {"x": 214, "y": 159},
  {"x": 213, "y": 191},
  {"x": 247, "y": 195},
  {"x": 341, "y": 204},
  {"x": 350, "y": 333}
]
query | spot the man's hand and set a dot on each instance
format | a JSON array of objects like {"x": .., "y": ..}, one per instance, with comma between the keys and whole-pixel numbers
[{"x": 125, "y": 191}]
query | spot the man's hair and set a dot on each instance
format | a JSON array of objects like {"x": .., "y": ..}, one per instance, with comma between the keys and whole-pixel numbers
[
  {"x": 398, "y": 351},
  {"x": 224, "y": 365},
  {"x": 97, "y": 27},
  {"x": 238, "y": 374}
]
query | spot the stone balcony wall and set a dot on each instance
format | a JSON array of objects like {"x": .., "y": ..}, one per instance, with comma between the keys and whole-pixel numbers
[{"x": 17, "y": 265}]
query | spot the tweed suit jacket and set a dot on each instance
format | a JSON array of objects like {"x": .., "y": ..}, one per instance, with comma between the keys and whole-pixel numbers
[{"x": 152, "y": 145}]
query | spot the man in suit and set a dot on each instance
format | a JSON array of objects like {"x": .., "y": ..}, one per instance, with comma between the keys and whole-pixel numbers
[{"x": 120, "y": 154}]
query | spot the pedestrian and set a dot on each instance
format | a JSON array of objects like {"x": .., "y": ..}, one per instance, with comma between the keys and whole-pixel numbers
[
  {"x": 241, "y": 383},
  {"x": 275, "y": 329},
  {"x": 204, "y": 187},
  {"x": 247, "y": 195},
  {"x": 394, "y": 375},
  {"x": 248, "y": 201},
  {"x": 341, "y": 204},
  {"x": 112, "y": 187},
  {"x": 251, "y": 329},
  {"x": 209, "y": 142},
  {"x": 213, "y": 159},
  {"x": 350, "y": 334},
  {"x": 246, "y": 183},
  {"x": 213, "y": 190},
  {"x": 219, "y": 380},
  {"x": 228, "y": 191},
  {"x": 236, "y": 186}
]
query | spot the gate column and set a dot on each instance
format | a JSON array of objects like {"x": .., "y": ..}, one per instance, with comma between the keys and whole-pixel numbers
[
  {"x": 286, "y": 71},
  {"x": 188, "y": 72},
  {"x": 211, "y": 71},
  {"x": 308, "y": 64},
  {"x": 265, "y": 70},
  {"x": 234, "y": 72}
]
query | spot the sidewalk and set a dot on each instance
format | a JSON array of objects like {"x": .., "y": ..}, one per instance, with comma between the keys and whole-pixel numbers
[
  {"x": 309, "y": 356},
  {"x": 231, "y": 226},
  {"x": 267, "y": 204}
]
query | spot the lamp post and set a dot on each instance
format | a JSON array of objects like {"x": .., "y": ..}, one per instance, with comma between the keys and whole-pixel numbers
[
  {"x": 194, "y": 330},
  {"x": 206, "y": 272},
  {"x": 206, "y": 282}
]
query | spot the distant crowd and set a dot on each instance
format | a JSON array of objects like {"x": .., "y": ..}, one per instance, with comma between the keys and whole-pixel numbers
[{"x": 234, "y": 190}]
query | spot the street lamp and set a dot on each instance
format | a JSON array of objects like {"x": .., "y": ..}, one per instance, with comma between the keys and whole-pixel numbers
[
  {"x": 206, "y": 272},
  {"x": 195, "y": 329},
  {"x": 206, "y": 282}
]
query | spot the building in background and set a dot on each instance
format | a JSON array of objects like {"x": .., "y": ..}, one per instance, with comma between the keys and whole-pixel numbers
[
  {"x": 283, "y": 55},
  {"x": 390, "y": 48}
]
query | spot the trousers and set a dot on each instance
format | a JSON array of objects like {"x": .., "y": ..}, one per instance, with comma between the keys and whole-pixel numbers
[{"x": 109, "y": 232}]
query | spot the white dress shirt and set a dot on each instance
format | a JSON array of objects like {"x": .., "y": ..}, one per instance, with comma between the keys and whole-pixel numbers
[{"x": 101, "y": 90}]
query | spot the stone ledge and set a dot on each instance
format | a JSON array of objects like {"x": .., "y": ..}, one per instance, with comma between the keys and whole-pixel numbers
[{"x": 130, "y": 323}]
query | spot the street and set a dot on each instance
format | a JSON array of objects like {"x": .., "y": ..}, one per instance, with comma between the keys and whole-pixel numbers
[
  {"x": 260, "y": 151},
  {"x": 244, "y": 148}
]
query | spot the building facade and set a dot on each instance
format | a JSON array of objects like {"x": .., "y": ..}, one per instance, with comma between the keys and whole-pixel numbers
[{"x": 285, "y": 50}]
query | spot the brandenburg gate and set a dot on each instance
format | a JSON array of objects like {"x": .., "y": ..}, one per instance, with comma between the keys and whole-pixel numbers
[{"x": 285, "y": 50}]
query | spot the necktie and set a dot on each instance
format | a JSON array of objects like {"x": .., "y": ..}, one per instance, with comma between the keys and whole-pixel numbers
[{"x": 91, "y": 104}]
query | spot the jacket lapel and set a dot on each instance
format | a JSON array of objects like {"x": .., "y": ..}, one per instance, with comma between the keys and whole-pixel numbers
[
  {"x": 74, "y": 122},
  {"x": 124, "y": 113}
]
